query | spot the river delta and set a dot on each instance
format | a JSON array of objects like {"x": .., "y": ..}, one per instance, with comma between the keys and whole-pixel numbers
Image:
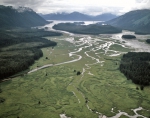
[{"x": 53, "y": 89}]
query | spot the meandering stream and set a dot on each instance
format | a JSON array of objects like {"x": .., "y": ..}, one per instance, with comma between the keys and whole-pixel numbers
[{"x": 93, "y": 45}]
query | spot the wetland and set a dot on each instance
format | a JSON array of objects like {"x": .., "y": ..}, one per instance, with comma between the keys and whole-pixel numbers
[{"x": 52, "y": 88}]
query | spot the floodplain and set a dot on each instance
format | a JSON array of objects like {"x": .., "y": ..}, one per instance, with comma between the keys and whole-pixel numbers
[{"x": 52, "y": 88}]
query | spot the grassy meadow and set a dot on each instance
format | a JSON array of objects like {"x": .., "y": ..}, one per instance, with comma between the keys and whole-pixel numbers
[{"x": 56, "y": 90}]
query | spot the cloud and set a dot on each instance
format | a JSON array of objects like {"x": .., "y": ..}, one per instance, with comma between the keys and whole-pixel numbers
[
  {"x": 34, "y": 4},
  {"x": 141, "y": 4},
  {"x": 100, "y": 10},
  {"x": 21, "y": 2},
  {"x": 145, "y": 4},
  {"x": 92, "y": 7},
  {"x": 142, "y": 1}
]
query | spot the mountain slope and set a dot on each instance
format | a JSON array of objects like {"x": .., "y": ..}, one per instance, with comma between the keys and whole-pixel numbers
[
  {"x": 105, "y": 17},
  {"x": 138, "y": 20},
  {"x": 21, "y": 17},
  {"x": 76, "y": 16}
]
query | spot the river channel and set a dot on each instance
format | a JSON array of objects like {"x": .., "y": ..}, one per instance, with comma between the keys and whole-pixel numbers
[{"x": 87, "y": 42}]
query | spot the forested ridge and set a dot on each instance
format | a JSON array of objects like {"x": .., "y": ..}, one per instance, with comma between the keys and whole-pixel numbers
[
  {"x": 20, "y": 48},
  {"x": 136, "y": 66},
  {"x": 94, "y": 29}
]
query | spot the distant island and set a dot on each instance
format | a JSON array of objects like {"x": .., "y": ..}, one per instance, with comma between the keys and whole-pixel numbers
[
  {"x": 93, "y": 29},
  {"x": 128, "y": 36}
]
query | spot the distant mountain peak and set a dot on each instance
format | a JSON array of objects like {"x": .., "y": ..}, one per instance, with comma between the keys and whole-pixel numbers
[{"x": 77, "y": 16}]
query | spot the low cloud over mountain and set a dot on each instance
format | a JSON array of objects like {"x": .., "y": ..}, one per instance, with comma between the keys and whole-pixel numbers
[{"x": 93, "y": 7}]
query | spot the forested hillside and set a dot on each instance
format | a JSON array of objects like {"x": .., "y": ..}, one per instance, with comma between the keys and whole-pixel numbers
[
  {"x": 20, "y": 48},
  {"x": 138, "y": 21}
]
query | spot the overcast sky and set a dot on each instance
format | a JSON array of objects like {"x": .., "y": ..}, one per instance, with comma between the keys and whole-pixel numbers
[{"x": 92, "y": 7}]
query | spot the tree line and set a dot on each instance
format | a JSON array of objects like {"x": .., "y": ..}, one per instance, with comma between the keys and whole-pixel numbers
[
  {"x": 136, "y": 66},
  {"x": 10, "y": 65},
  {"x": 148, "y": 41},
  {"x": 26, "y": 35},
  {"x": 14, "y": 58}
]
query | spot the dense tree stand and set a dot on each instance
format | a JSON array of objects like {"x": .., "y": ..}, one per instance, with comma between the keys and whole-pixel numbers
[{"x": 136, "y": 66}]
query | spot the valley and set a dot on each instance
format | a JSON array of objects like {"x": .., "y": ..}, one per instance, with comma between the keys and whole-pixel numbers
[{"x": 52, "y": 88}]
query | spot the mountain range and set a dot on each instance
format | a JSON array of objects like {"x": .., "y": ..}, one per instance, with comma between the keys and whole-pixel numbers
[
  {"x": 20, "y": 17},
  {"x": 76, "y": 16},
  {"x": 137, "y": 20}
]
